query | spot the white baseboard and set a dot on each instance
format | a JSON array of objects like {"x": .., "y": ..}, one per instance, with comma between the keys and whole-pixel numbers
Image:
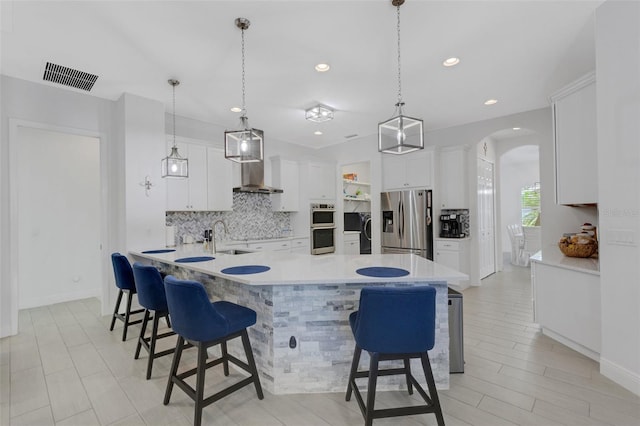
[
  {"x": 625, "y": 378},
  {"x": 60, "y": 298},
  {"x": 573, "y": 345}
]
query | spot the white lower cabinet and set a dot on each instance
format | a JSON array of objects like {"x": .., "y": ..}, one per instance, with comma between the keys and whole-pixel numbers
[
  {"x": 270, "y": 245},
  {"x": 300, "y": 245},
  {"x": 293, "y": 245},
  {"x": 351, "y": 242},
  {"x": 454, "y": 254},
  {"x": 567, "y": 306}
]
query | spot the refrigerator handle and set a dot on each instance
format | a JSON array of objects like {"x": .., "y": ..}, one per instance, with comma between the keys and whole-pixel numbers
[
  {"x": 399, "y": 219},
  {"x": 402, "y": 216}
]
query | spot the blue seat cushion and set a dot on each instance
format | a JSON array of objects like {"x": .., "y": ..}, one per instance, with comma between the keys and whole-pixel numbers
[
  {"x": 195, "y": 318},
  {"x": 238, "y": 317}
]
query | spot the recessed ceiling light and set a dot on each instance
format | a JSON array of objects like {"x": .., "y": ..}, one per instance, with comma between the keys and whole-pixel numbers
[
  {"x": 449, "y": 62},
  {"x": 236, "y": 109},
  {"x": 317, "y": 132},
  {"x": 491, "y": 102},
  {"x": 323, "y": 67},
  {"x": 516, "y": 128}
]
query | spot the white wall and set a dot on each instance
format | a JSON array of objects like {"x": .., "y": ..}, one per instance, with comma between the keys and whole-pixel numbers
[
  {"x": 618, "y": 94},
  {"x": 145, "y": 146}
]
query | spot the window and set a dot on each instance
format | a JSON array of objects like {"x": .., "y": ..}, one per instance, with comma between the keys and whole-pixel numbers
[{"x": 530, "y": 205}]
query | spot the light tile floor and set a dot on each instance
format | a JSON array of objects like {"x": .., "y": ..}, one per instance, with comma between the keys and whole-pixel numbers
[{"x": 66, "y": 368}]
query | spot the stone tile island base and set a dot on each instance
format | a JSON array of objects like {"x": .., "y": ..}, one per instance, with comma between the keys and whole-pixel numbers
[{"x": 314, "y": 319}]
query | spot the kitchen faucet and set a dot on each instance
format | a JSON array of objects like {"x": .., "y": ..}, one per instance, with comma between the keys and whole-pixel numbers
[{"x": 213, "y": 233}]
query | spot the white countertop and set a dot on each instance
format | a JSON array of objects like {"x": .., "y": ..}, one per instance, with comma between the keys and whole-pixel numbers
[
  {"x": 297, "y": 269},
  {"x": 551, "y": 255}
]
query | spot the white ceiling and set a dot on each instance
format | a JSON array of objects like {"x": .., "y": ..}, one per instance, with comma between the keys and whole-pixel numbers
[{"x": 518, "y": 52}]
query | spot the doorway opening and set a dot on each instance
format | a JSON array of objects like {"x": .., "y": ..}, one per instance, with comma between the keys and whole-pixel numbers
[
  {"x": 57, "y": 218},
  {"x": 356, "y": 206}
]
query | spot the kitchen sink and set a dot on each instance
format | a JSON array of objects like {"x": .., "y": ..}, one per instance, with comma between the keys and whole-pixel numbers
[{"x": 234, "y": 251}]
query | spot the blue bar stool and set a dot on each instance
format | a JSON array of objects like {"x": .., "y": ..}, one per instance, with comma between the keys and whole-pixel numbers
[
  {"x": 151, "y": 296},
  {"x": 394, "y": 324},
  {"x": 203, "y": 324},
  {"x": 124, "y": 281}
]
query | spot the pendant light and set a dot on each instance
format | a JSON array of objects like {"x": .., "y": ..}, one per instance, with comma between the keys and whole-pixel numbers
[
  {"x": 400, "y": 134},
  {"x": 244, "y": 145},
  {"x": 174, "y": 165}
]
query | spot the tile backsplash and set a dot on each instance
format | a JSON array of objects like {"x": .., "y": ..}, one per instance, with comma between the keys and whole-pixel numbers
[{"x": 251, "y": 219}]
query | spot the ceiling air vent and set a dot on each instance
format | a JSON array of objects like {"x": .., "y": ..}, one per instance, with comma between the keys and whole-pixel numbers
[
  {"x": 69, "y": 77},
  {"x": 351, "y": 136}
]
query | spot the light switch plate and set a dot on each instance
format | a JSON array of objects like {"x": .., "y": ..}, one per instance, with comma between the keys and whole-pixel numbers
[{"x": 621, "y": 237}]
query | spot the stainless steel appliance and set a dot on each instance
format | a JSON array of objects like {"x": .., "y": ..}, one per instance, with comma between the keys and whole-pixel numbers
[
  {"x": 322, "y": 215},
  {"x": 322, "y": 228},
  {"x": 407, "y": 222}
]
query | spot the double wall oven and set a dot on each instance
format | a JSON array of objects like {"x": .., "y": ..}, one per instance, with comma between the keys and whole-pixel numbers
[{"x": 322, "y": 228}]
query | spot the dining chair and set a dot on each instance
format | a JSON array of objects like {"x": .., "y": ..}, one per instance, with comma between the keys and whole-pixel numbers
[{"x": 532, "y": 242}]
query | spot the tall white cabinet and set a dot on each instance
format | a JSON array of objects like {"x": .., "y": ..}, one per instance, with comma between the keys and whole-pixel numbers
[{"x": 575, "y": 142}]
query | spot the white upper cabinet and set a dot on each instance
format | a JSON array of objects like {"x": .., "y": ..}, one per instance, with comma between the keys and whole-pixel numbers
[
  {"x": 322, "y": 181},
  {"x": 189, "y": 193},
  {"x": 209, "y": 186},
  {"x": 219, "y": 181},
  {"x": 413, "y": 170},
  {"x": 453, "y": 180},
  {"x": 575, "y": 138},
  {"x": 285, "y": 174}
]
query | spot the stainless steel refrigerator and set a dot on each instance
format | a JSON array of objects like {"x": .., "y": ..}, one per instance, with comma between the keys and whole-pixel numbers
[{"x": 406, "y": 222}]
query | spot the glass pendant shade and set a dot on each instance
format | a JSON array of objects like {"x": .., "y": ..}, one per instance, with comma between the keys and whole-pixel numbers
[
  {"x": 400, "y": 135},
  {"x": 244, "y": 146},
  {"x": 174, "y": 165}
]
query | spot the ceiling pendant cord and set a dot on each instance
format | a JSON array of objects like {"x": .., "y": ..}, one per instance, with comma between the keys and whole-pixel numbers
[
  {"x": 400, "y": 103},
  {"x": 244, "y": 109},
  {"x": 174, "y": 83}
]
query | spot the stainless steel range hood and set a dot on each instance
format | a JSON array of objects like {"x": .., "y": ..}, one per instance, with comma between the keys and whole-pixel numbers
[{"x": 253, "y": 179}]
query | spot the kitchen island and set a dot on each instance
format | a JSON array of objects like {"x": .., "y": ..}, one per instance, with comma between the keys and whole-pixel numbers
[{"x": 302, "y": 341}]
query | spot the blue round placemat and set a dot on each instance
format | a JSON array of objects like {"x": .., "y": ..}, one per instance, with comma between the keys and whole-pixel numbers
[
  {"x": 245, "y": 269},
  {"x": 382, "y": 272},
  {"x": 194, "y": 259},
  {"x": 159, "y": 251}
]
